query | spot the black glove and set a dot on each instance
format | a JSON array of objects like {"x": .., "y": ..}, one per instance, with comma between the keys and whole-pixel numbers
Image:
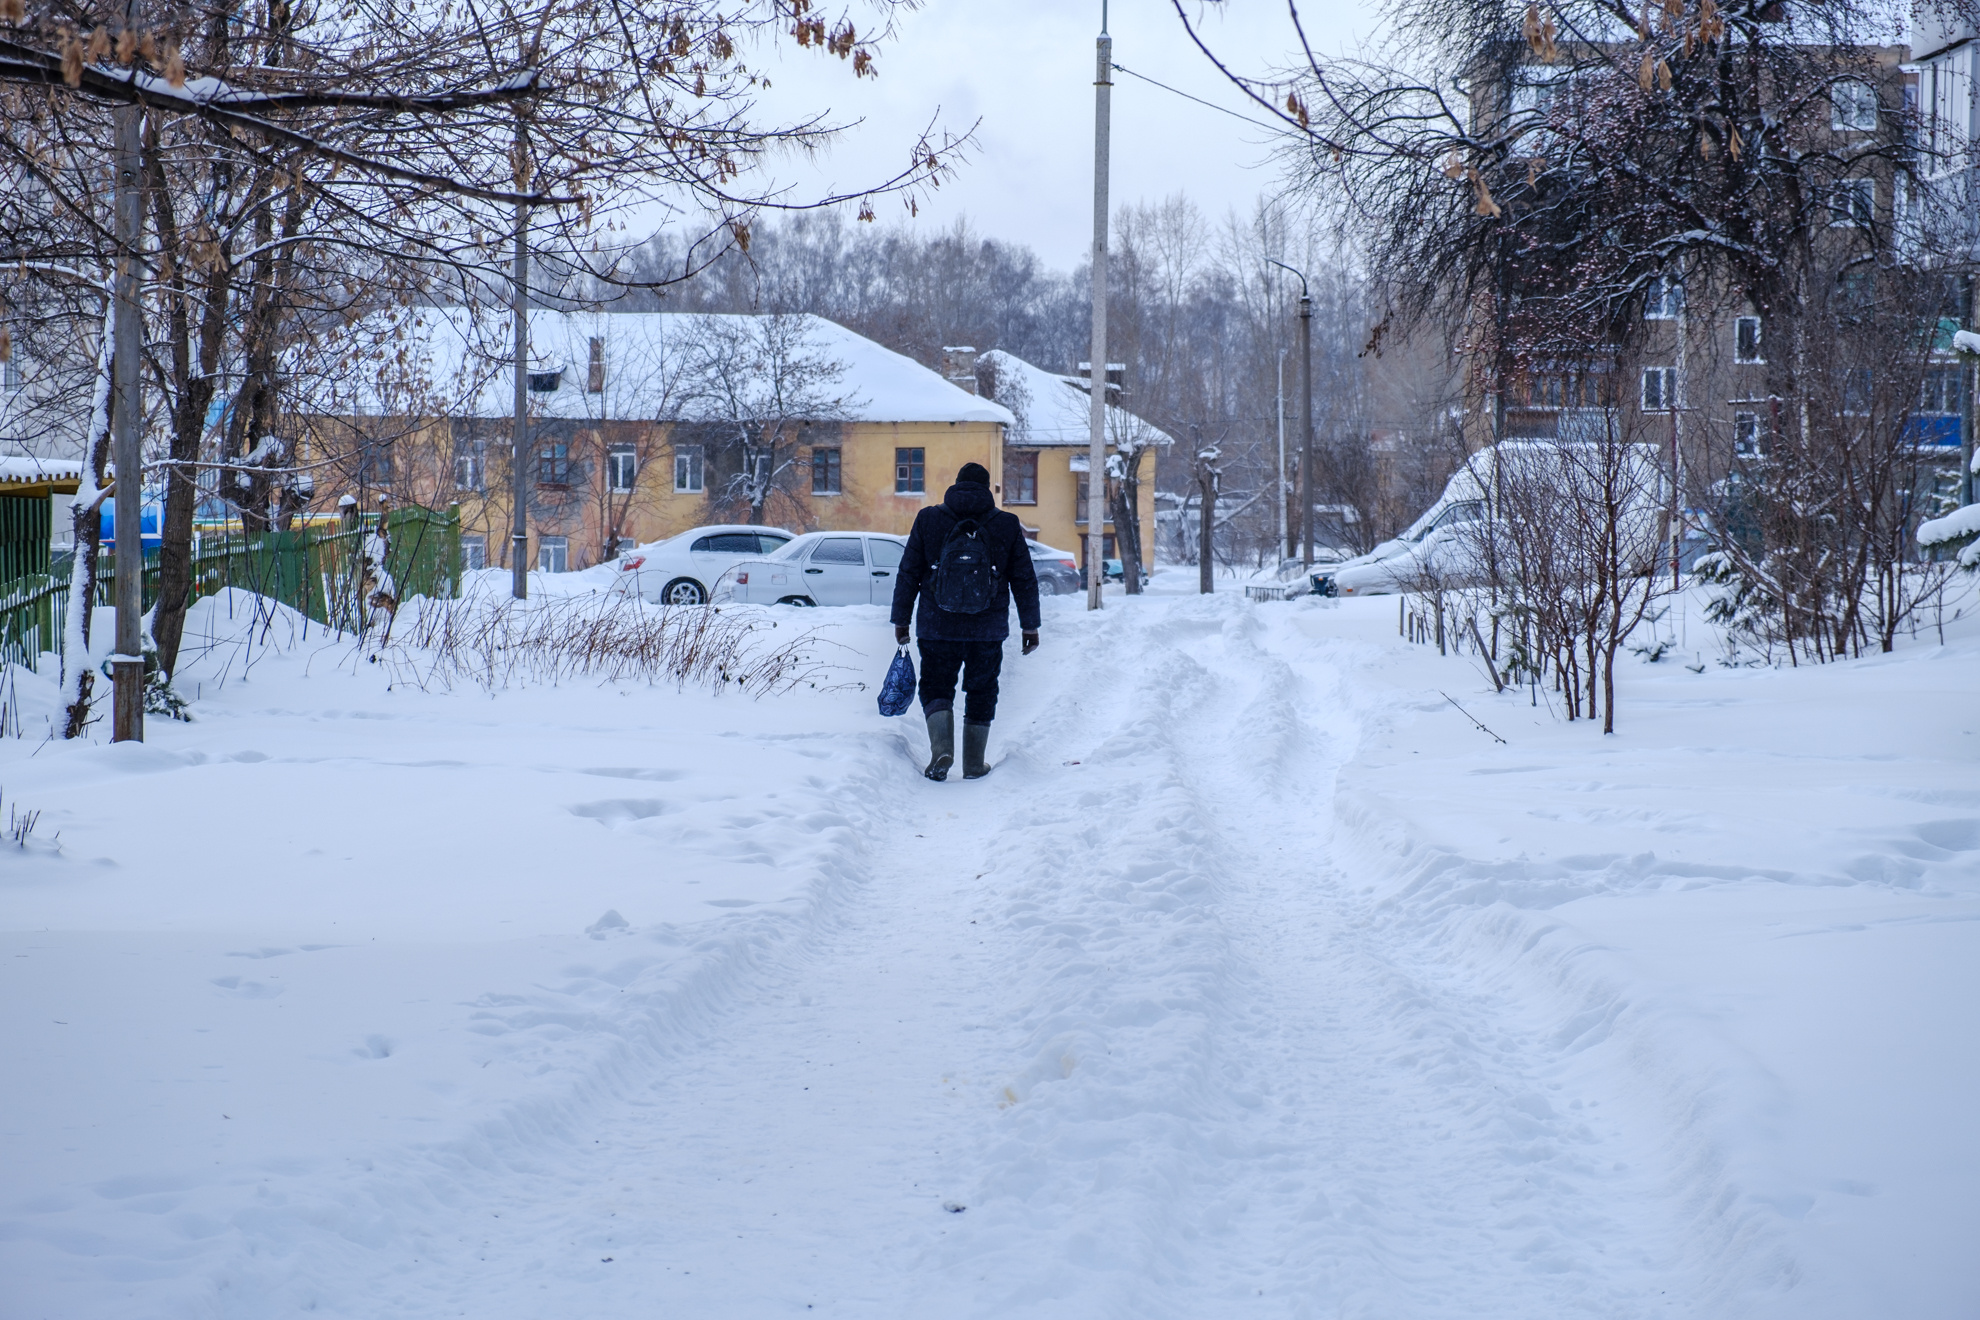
[
  {"x": 1030, "y": 643},
  {"x": 901, "y": 635}
]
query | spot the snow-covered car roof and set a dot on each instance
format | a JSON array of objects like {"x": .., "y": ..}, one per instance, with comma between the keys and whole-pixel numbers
[
  {"x": 797, "y": 545},
  {"x": 710, "y": 529}
]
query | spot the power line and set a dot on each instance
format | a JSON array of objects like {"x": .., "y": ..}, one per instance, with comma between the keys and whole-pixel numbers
[{"x": 1223, "y": 110}]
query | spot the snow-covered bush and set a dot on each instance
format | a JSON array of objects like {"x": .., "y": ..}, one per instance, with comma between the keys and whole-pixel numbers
[
  {"x": 495, "y": 642},
  {"x": 1956, "y": 535}
]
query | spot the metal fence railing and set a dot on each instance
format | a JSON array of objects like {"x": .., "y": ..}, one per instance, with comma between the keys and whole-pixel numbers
[{"x": 315, "y": 573}]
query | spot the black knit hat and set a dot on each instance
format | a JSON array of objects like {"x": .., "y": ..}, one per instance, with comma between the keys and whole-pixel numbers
[{"x": 975, "y": 472}]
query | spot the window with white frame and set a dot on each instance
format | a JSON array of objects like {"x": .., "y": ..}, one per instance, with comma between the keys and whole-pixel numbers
[
  {"x": 1853, "y": 203},
  {"x": 553, "y": 554},
  {"x": 1664, "y": 299},
  {"x": 1746, "y": 340},
  {"x": 621, "y": 468},
  {"x": 687, "y": 469},
  {"x": 468, "y": 473},
  {"x": 1852, "y": 106},
  {"x": 10, "y": 374},
  {"x": 1746, "y": 434},
  {"x": 474, "y": 553},
  {"x": 1659, "y": 389},
  {"x": 1938, "y": 392}
]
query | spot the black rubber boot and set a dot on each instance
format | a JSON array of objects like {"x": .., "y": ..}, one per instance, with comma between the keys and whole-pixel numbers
[
  {"x": 976, "y": 737},
  {"x": 941, "y": 744}
]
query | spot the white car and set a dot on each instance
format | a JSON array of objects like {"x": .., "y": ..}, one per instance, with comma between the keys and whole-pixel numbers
[
  {"x": 685, "y": 569},
  {"x": 1441, "y": 548},
  {"x": 824, "y": 568}
]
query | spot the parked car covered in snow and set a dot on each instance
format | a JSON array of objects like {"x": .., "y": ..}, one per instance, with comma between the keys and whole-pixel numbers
[
  {"x": 685, "y": 569},
  {"x": 823, "y": 568},
  {"x": 1058, "y": 570},
  {"x": 1494, "y": 501}
]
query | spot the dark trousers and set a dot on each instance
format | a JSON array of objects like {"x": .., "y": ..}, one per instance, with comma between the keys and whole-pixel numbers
[{"x": 977, "y": 662}]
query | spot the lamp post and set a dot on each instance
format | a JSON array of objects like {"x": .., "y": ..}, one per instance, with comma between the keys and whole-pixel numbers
[{"x": 1306, "y": 413}]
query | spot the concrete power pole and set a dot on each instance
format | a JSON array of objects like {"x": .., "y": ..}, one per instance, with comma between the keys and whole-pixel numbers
[
  {"x": 127, "y": 448},
  {"x": 1306, "y": 420},
  {"x": 1306, "y": 409},
  {"x": 519, "y": 460},
  {"x": 1096, "y": 475}
]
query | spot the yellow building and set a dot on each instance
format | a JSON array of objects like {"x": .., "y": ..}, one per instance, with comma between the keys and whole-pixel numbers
[{"x": 643, "y": 425}]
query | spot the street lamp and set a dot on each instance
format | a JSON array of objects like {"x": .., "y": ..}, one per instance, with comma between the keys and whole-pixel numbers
[{"x": 1306, "y": 412}]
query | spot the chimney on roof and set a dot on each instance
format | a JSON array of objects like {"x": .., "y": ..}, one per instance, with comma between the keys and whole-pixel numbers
[
  {"x": 959, "y": 366},
  {"x": 1116, "y": 377}
]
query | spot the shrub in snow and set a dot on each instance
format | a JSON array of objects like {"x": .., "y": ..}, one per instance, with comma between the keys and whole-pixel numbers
[
  {"x": 494, "y": 642},
  {"x": 1957, "y": 534}
]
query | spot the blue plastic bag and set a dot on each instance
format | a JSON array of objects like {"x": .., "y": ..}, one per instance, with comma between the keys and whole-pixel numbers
[{"x": 897, "y": 690}]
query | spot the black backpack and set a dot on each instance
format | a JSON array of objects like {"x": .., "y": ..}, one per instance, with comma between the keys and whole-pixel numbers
[{"x": 966, "y": 578}]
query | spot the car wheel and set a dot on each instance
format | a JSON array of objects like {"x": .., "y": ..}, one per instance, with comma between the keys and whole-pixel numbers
[
  {"x": 1048, "y": 587},
  {"x": 796, "y": 600},
  {"x": 684, "y": 591}
]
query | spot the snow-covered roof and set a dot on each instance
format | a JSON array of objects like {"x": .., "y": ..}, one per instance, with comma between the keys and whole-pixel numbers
[
  {"x": 656, "y": 367},
  {"x": 1055, "y": 410},
  {"x": 19, "y": 470}
]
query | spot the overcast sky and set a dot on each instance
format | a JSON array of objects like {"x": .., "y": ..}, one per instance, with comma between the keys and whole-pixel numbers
[{"x": 1024, "y": 68}]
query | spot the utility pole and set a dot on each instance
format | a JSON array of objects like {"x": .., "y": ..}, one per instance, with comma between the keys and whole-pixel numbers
[
  {"x": 127, "y": 448},
  {"x": 1306, "y": 424},
  {"x": 1306, "y": 411},
  {"x": 1279, "y": 492},
  {"x": 519, "y": 459},
  {"x": 1096, "y": 471}
]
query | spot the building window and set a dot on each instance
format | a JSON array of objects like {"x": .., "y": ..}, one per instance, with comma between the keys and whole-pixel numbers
[
  {"x": 1659, "y": 389},
  {"x": 1021, "y": 478},
  {"x": 553, "y": 464},
  {"x": 1852, "y": 107},
  {"x": 1746, "y": 434},
  {"x": 1588, "y": 388},
  {"x": 594, "y": 381},
  {"x": 474, "y": 553},
  {"x": 1663, "y": 300},
  {"x": 910, "y": 471},
  {"x": 10, "y": 374},
  {"x": 1853, "y": 203},
  {"x": 825, "y": 471},
  {"x": 374, "y": 463},
  {"x": 1746, "y": 339},
  {"x": 468, "y": 472},
  {"x": 1856, "y": 395},
  {"x": 687, "y": 469},
  {"x": 553, "y": 554},
  {"x": 621, "y": 468},
  {"x": 1938, "y": 393}
]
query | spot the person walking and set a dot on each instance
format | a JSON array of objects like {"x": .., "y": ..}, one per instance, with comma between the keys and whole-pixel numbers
[{"x": 966, "y": 560}]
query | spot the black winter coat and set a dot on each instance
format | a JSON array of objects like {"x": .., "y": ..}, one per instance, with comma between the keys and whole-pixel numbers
[{"x": 1002, "y": 532}]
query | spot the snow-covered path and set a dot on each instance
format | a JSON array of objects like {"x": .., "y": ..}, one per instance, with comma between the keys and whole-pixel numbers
[
  {"x": 1152, "y": 1022},
  {"x": 1107, "y": 1004}
]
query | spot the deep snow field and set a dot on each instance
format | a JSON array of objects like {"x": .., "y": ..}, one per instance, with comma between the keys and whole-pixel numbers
[{"x": 1256, "y": 981}]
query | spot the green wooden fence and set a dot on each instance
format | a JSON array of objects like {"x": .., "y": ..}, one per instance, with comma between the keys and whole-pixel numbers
[{"x": 312, "y": 572}]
